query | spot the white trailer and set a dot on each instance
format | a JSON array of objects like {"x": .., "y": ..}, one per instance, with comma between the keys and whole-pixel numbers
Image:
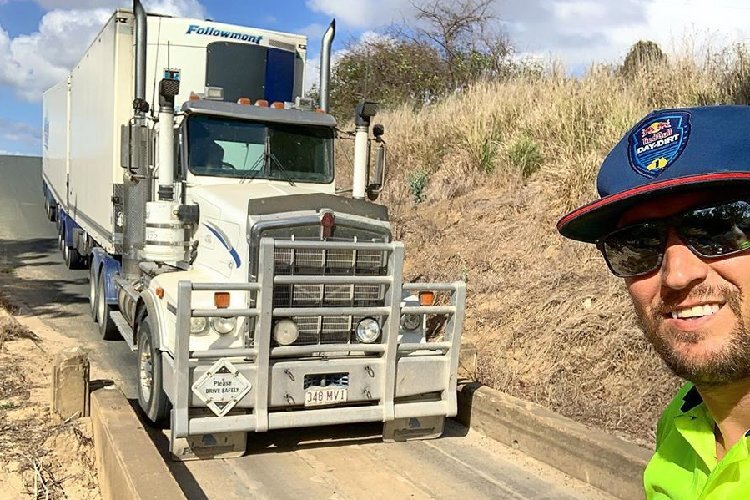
[{"x": 191, "y": 177}]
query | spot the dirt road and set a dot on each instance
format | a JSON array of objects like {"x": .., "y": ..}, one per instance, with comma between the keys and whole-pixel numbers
[{"x": 336, "y": 462}]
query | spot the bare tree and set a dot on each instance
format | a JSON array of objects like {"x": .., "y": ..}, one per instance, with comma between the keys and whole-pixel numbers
[{"x": 465, "y": 32}]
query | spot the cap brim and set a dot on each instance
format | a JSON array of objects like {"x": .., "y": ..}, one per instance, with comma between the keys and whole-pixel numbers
[{"x": 591, "y": 222}]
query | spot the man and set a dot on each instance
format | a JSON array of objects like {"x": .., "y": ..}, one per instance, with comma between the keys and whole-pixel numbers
[{"x": 673, "y": 220}]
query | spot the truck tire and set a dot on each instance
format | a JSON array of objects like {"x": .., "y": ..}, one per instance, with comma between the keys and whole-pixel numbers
[
  {"x": 151, "y": 396},
  {"x": 49, "y": 210},
  {"x": 73, "y": 259},
  {"x": 92, "y": 293},
  {"x": 107, "y": 328},
  {"x": 60, "y": 237}
]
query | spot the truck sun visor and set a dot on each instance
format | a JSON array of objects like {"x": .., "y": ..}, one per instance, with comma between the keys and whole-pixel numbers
[{"x": 272, "y": 79}]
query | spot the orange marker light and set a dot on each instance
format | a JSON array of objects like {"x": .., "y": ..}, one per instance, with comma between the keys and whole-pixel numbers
[
  {"x": 194, "y": 96},
  {"x": 426, "y": 298},
  {"x": 221, "y": 300},
  {"x": 277, "y": 105},
  {"x": 159, "y": 292},
  {"x": 261, "y": 103},
  {"x": 244, "y": 100}
]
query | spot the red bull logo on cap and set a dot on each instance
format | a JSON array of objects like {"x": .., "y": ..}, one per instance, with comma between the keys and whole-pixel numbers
[
  {"x": 656, "y": 142},
  {"x": 656, "y": 127}
]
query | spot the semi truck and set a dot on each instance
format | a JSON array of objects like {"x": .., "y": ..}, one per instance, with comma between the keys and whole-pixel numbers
[{"x": 187, "y": 171}]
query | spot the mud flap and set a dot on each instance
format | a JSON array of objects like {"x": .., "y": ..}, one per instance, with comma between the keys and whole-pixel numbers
[
  {"x": 207, "y": 446},
  {"x": 408, "y": 429}
]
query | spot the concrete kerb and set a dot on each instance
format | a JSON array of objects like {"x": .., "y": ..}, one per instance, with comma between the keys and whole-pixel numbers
[
  {"x": 611, "y": 464},
  {"x": 129, "y": 464}
]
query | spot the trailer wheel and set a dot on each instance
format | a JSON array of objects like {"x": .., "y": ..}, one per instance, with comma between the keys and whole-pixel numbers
[
  {"x": 73, "y": 259},
  {"x": 151, "y": 396},
  {"x": 60, "y": 237},
  {"x": 107, "y": 328},
  {"x": 49, "y": 210},
  {"x": 92, "y": 294}
]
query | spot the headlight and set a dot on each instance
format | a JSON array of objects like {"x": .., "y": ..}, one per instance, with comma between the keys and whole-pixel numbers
[
  {"x": 368, "y": 330},
  {"x": 223, "y": 326},
  {"x": 198, "y": 325},
  {"x": 285, "y": 332},
  {"x": 411, "y": 321}
]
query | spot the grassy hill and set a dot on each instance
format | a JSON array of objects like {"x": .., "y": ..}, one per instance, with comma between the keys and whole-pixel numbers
[{"x": 475, "y": 185}]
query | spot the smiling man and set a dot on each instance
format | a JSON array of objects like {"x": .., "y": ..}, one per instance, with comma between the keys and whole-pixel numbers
[{"x": 673, "y": 221}]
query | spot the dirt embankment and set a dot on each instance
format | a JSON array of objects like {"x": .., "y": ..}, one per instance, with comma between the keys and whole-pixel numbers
[
  {"x": 40, "y": 455},
  {"x": 475, "y": 184},
  {"x": 549, "y": 322}
]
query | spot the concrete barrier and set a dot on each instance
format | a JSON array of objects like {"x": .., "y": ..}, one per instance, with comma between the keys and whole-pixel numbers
[
  {"x": 129, "y": 465},
  {"x": 606, "y": 462}
]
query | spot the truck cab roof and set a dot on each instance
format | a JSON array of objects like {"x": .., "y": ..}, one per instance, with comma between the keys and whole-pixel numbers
[{"x": 246, "y": 112}]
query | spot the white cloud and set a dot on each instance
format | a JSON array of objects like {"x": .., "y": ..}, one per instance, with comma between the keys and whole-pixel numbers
[
  {"x": 578, "y": 32},
  {"x": 188, "y": 8},
  {"x": 362, "y": 14},
  {"x": 34, "y": 62}
]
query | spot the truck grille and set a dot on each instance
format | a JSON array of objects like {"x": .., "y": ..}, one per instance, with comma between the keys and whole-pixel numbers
[{"x": 317, "y": 262}]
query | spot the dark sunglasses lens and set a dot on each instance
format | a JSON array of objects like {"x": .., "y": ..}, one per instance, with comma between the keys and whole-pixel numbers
[
  {"x": 718, "y": 230},
  {"x": 633, "y": 250}
]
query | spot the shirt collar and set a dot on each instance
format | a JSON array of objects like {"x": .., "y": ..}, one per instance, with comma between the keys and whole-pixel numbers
[{"x": 691, "y": 399}]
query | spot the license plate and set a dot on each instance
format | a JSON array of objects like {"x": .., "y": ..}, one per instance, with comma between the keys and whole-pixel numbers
[{"x": 319, "y": 396}]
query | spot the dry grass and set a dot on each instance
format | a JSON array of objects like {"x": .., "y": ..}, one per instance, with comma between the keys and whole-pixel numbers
[{"x": 495, "y": 167}]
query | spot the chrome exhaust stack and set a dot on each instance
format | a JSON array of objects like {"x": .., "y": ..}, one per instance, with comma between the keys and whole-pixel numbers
[
  {"x": 136, "y": 140},
  {"x": 140, "y": 105},
  {"x": 325, "y": 64}
]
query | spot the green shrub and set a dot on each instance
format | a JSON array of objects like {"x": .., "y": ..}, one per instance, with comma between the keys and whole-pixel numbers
[
  {"x": 487, "y": 152},
  {"x": 417, "y": 183},
  {"x": 524, "y": 153}
]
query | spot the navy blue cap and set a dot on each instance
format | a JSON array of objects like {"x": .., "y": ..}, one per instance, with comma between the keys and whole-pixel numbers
[{"x": 671, "y": 150}]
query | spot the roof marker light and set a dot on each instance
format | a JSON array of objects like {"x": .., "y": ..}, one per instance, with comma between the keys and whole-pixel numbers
[
  {"x": 245, "y": 101},
  {"x": 261, "y": 103}
]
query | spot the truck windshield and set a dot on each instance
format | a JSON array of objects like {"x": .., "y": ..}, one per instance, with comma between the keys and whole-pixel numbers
[{"x": 222, "y": 147}]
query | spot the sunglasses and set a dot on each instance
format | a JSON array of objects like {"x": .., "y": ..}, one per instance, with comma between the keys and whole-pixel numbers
[{"x": 709, "y": 232}]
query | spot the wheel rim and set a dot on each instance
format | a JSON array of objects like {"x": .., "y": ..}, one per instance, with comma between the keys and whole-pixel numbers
[
  {"x": 146, "y": 368},
  {"x": 92, "y": 293},
  {"x": 66, "y": 252}
]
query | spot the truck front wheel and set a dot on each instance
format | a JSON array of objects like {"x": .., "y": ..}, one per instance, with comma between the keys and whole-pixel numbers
[{"x": 151, "y": 396}]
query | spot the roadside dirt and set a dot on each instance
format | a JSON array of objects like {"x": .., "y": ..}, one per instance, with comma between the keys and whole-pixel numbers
[{"x": 41, "y": 456}]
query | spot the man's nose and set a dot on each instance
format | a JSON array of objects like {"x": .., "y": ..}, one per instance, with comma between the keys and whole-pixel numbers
[{"x": 680, "y": 267}]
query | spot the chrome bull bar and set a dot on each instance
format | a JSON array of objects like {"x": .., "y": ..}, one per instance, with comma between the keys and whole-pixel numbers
[{"x": 262, "y": 351}]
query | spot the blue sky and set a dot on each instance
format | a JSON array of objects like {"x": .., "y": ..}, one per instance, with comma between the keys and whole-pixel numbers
[{"x": 41, "y": 39}]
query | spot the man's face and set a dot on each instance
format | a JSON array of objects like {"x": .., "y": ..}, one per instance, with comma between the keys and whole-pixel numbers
[{"x": 694, "y": 311}]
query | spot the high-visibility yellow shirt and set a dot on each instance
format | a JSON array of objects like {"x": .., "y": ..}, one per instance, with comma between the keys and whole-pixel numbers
[{"x": 684, "y": 465}]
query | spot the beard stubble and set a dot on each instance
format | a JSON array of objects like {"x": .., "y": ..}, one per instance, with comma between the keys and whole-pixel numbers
[{"x": 729, "y": 364}]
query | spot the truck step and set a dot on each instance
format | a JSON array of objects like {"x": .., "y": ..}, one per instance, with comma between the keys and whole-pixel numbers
[{"x": 124, "y": 328}]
